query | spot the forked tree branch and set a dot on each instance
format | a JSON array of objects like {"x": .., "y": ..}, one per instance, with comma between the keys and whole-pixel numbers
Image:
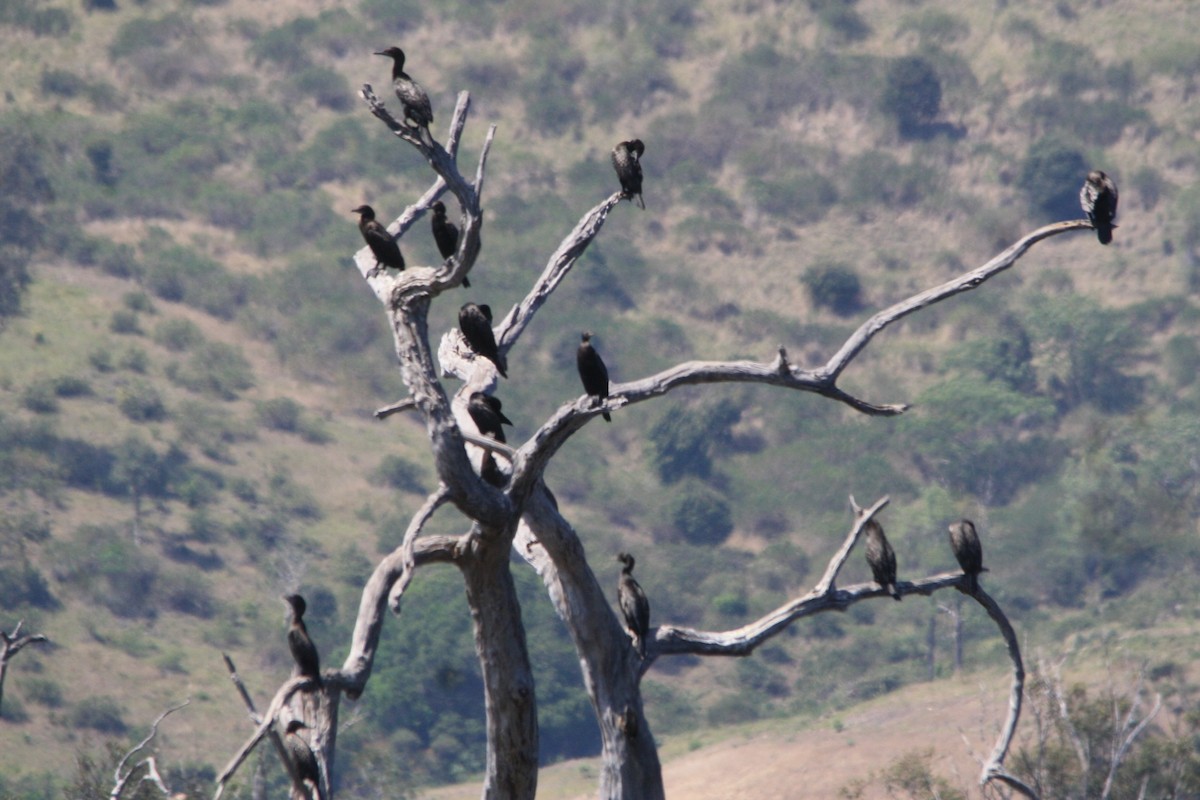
[
  {"x": 536, "y": 453},
  {"x": 276, "y": 740},
  {"x": 119, "y": 780},
  {"x": 11, "y": 644},
  {"x": 282, "y": 696},
  {"x": 993, "y": 768}
]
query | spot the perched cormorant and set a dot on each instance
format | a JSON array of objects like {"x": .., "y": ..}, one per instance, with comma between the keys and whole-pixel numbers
[
  {"x": 475, "y": 322},
  {"x": 634, "y": 605},
  {"x": 626, "y": 160},
  {"x": 965, "y": 543},
  {"x": 882, "y": 558},
  {"x": 485, "y": 411},
  {"x": 445, "y": 233},
  {"x": 383, "y": 246},
  {"x": 412, "y": 97},
  {"x": 592, "y": 372},
  {"x": 303, "y": 758},
  {"x": 1098, "y": 197},
  {"x": 304, "y": 652},
  {"x": 490, "y": 471}
]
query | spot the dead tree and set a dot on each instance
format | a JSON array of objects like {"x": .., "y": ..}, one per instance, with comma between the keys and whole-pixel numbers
[
  {"x": 12, "y": 644},
  {"x": 524, "y": 516}
]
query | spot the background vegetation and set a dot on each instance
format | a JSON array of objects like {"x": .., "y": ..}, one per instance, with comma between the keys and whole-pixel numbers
[{"x": 188, "y": 361}]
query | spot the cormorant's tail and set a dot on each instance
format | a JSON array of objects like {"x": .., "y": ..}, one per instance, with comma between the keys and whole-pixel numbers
[
  {"x": 891, "y": 587},
  {"x": 1104, "y": 234},
  {"x": 641, "y": 203},
  {"x": 607, "y": 416}
]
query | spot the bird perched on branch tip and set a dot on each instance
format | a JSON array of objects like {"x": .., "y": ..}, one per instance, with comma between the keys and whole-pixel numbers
[
  {"x": 412, "y": 97},
  {"x": 1098, "y": 198},
  {"x": 627, "y": 161}
]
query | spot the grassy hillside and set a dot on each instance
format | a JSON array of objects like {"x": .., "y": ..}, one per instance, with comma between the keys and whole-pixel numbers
[{"x": 188, "y": 361}]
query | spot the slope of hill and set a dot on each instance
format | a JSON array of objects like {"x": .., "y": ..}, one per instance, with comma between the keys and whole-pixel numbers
[{"x": 186, "y": 388}]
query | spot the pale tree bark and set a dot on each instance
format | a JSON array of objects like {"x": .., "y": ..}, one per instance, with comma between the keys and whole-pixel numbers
[
  {"x": 124, "y": 772},
  {"x": 524, "y": 516},
  {"x": 10, "y": 645}
]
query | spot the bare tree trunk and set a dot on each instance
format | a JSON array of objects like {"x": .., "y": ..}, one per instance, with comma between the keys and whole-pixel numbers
[
  {"x": 512, "y": 729},
  {"x": 10, "y": 645}
]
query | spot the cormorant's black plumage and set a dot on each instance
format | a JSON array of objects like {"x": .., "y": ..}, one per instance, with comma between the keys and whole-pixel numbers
[
  {"x": 490, "y": 471},
  {"x": 412, "y": 97},
  {"x": 627, "y": 161},
  {"x": 475, "y": 322},
  {"x": 485, "y": 412},
  {"x": 882, "y": 558},
  {"x": 303, "y": 758},
  {"x": 1098, "y": 197},
  {"x": 592, "y": 372},
  {"x": 635, "y": 608},
  {"x": 383, "y": 246},
  {"x": 445, "y": 233},
  {"x": 965, "y": 543},
  {"x": 304, "y": 652}
]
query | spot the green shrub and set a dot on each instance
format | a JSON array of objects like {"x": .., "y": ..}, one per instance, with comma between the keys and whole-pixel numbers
[
  {"x": 43, "y": 691},
  {"x": 834, "y": 286},
  {"x": 39, "y": 398},
  {"x": 23, "y": 585},
  {"x": 137, "y": 301},
  {"x": 72, "y": 386},
  {"x": 141, "y": 402},
  {"x": 216, "y": 369},
  {"x": 189, "y": 593},
  {"x": 699, "y": 514},
  {"x": 797, "y": 195},
  {"x": 177, "y": 334},
  {"x": 398, "y": 473},
  {"x": 280, "y": 414},
  {"x": 397, "y": 17},
  {"x": 62, "y": 83},
  {"x": 912, "y": 94},
  {"x": 1050, "y": 176},
  {"x": 125, "y": 322},
  {"x": 325, "y": 86},
  {"x": 101, "y": 714}
]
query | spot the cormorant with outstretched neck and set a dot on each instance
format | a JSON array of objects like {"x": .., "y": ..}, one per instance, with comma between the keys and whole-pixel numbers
[
  {"x": 445, "y": 233},
  {"x": 627, "y": 161},
  {"x": 304, "y": 652},
  {"x": 412, "y": 97},
  {"x": 635, "y": 608},
  {"x": 485, "y": 412},
  {"x": 475, "y": 322},
  {"x": 383, "y": 246},
  {"x": 882, "y": 558},
  {"x": 1098, "y": 197},
  {"x": 592, "y": 372},
  {"x": 303, "y": 758},
  {"x": 965, "y": 543}
]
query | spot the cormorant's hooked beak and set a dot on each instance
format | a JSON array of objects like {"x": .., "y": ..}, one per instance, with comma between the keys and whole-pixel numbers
[{"x": 383, "y": 53}]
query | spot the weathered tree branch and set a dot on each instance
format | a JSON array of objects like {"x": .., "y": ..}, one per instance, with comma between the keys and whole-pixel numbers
[
  {"x": 10, "y": 645},
  {"x": 964, "y": 283},
  {"x": 282, "y": 696},
  {"x": 993, "y": 768},
  {"x": 1129, "y": 731},
  {"x": 276, "y": 740},
  {"x": 395, "y": 408},
  {"x": 120, "y": 781}
]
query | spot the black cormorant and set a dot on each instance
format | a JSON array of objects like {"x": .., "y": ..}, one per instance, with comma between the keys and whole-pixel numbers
[
  {"x": 445, "y": 233},
  {"x": 882, "y": 558},
  {"x": 383, "y": 246},
  {"x": 303, "y": 758},
  {"x": 634, "y": 605},
  {"x": 965, "y": 543},
  {"x": 475, "y": 322},
  {"x": 412, "y": 97},
  {"x": 490, "y": 471},
  {"x": 592, "y": 372},
  {"x": 485, "y": 411},
  {"x": 304, "y": 652},
  {"x": 1098, "y": 197},
  {"x": 627, "y": 161}
]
